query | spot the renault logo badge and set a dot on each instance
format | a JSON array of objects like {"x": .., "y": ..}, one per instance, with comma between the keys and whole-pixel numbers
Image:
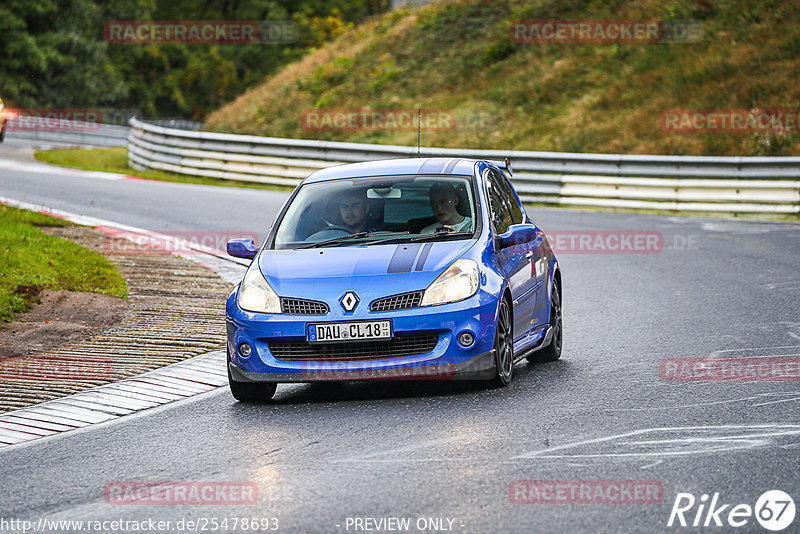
[{"x": 349, "y": 301}]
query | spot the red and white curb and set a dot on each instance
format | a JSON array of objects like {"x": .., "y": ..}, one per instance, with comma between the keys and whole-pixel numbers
[{"x": 103, "y": 403}]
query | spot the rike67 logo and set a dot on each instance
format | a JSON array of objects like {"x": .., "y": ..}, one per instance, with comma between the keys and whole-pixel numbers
[{"x": 774, "y": 510}]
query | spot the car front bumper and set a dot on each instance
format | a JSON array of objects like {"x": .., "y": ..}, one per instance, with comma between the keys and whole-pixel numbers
[{"x": 448, "y": 360}]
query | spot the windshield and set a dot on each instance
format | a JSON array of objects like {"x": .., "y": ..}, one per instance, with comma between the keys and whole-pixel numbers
[{"x": 379, "y": 209}]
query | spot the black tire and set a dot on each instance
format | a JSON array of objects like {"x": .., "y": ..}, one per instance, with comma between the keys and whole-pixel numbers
[
  {"x": 552, "y": 352},
  {"x": 3, "y": 133},
  {"x": 251, "y": 391},
  {"x": 503, "y": 347}
]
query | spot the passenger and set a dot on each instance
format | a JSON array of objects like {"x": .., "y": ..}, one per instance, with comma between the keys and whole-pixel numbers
[{"x": 444, "y": 202}]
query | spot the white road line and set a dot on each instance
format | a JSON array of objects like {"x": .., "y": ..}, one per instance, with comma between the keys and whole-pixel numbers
[
  {"x": 44, "y": 168},
  {"x": 706, "y": 444},
  {"x": 777, "y": 402},
  {"x": 758, "y": 348},
  {"x": 648, "y": 466},
  {"x": 713, "y": 403}
]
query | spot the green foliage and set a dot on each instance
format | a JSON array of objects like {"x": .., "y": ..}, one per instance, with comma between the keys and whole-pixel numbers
[
  {"x": 326, "y": 77},
  {"x": 499, "y": 50},
  {"x": 320, "y": 30},
  {"x": 384, "y": 72}
]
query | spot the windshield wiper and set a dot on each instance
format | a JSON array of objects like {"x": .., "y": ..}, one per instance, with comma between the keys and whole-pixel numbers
[
  {"x": 345, "y": 238},
  {"x": 414, "y": 238},
  {"x": 437, "y": 235}
]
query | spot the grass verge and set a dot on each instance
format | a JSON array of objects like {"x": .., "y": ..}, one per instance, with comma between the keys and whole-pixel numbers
[
  {"x": 32, "y": 260},
  {"x": 116, "y": 160}
]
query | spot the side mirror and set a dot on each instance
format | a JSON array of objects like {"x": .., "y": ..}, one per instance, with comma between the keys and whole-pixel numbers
[
  {"x": 242, "y": 248},
  {"x": 518, "y": 234}
]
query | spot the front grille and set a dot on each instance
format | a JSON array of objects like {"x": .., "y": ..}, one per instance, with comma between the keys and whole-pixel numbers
[
  {"x": 303, "y": 307},
  {"x": 397, "y": 302},
  {"x": 300, "y": 350}
]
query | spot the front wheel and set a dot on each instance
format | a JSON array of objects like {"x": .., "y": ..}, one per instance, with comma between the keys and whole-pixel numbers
[
  {"x": 251, "y": 391},
  {"x": 503, "y": 347},
  {"x": 552, "y": 352}
]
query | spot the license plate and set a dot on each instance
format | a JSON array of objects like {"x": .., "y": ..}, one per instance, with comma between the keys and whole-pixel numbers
[{"x": 362, "y": 330}]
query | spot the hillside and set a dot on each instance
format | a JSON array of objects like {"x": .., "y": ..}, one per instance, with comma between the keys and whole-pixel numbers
[{"x": 457, "y": 57}]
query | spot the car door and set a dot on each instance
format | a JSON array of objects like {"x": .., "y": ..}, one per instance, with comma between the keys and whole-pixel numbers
[
  {"x": 514, "y": 261},
  {"x": 540, "y": 272}
]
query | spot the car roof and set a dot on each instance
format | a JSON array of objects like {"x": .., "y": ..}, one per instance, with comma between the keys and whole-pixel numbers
[{"x": 386, "y": 167}]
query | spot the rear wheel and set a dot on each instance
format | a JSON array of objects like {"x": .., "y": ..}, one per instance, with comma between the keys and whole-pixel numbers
[
  {"x": 503, "y": 347},
  {"x": 552, "y": 352},
  {"x": 251, "y": 391}
]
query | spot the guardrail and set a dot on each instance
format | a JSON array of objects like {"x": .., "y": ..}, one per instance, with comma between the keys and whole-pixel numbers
[
  {"x": 674, "y": 183},
  {"x": 85, "y": 133},
  {"x": 75, "y": 133}
]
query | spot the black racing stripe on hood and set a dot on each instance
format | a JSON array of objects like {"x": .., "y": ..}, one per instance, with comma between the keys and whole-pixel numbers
[
  {"x": 450, "y": 167},
  {"x": 433, "y": 165},
  {"x": 403, "y": 258},
  {"x": 423, "y": 256}
]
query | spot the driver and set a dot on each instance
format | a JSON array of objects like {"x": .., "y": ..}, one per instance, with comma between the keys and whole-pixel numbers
[
  {"x": 353, "y": 210},
  {"x": 444, "y": 201}
]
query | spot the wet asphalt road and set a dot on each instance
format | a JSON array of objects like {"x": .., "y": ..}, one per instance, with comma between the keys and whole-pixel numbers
[{"x": 448, "y": 454}]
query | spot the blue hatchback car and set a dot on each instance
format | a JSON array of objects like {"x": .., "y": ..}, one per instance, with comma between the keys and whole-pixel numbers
[{"x": 394, "y": 269}]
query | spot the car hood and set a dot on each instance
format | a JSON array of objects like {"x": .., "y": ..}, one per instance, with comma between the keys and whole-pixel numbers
[{"x": 396, "y": 268}]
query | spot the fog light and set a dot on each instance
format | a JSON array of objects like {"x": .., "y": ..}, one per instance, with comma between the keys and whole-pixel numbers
[
  {"x": 466, "y": 339},
  {"x": 245, "y": 350}
]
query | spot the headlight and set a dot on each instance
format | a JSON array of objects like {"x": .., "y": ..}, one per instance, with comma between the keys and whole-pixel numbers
[
  {"x": 255, "y": 295},
  {"x": 457, "y": 282}
]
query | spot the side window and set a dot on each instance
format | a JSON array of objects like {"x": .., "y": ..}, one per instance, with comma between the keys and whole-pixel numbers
[
  {"x": 508, "y": 193},
  {"x": 499, "y": 204}
]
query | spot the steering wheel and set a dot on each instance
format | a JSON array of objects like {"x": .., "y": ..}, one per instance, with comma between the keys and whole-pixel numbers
[{"x": 329, "y": 233}]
